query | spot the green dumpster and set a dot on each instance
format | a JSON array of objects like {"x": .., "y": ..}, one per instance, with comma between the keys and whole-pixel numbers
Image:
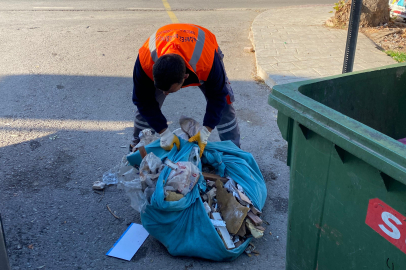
[{"x": 347, "y": 198}]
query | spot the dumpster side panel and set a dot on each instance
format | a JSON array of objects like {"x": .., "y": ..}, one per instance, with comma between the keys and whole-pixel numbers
[
  {"x": 309, "y": 174},
  {"x": 345, "y": 237},
  {"x": 329, "y": 194}
]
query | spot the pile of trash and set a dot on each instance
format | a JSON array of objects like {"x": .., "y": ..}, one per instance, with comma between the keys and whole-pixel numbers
[
  {"x": 194, "y": 213},
  {"x": 231, "y": 211},
  {"x": 139, "y": 184}
]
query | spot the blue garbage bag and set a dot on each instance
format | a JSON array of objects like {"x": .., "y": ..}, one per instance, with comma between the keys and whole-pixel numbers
[{"x": 183, "y": 226}]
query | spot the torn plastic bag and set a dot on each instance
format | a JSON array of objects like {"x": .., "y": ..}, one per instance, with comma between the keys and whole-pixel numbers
[
  {"x": 150, "y": 168},
  {"x": 140, "y": 185},
  {"x": 111, "y": 176},
  {"x": 130, "y": 182},
  {"x": 183, "y": 226},
  {"x": 194, "y": 156}
]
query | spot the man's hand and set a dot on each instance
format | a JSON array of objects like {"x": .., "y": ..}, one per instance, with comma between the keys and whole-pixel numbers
[
  {"x": 168, "y": 139},
  {"x": 201, "y": 138}
]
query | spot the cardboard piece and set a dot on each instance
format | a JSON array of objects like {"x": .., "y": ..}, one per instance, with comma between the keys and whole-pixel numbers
[
  {"x": 173, "y": 196},
  {"x": 210, "y": 183},
  {"x": 260, "y": 228},
  {"x": 98, "y": 185},
  {"x": 233, "y": 212},
  {"x": 255, "y": 219},
  {"x": 244, "y": 197},
  {"x": 239, "y": 243},
  {"x": 214, "y": 177},
  {"x": 254, "y": 231},
  {"x": 142, "y": 151},
  {"x": 242, "y": 231},
  {"x": 255, "y": 211},
  {"x": 129, "y": 242}
]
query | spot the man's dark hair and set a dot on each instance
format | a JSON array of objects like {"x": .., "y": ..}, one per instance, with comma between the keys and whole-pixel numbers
[{"x": 167, "y": 70}]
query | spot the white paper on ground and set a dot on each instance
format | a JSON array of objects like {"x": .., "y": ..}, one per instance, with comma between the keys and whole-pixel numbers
[{"x": 129, "y": 242}]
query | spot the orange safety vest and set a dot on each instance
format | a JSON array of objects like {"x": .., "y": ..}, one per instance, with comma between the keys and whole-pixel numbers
[{"x": 195, "y": 44}]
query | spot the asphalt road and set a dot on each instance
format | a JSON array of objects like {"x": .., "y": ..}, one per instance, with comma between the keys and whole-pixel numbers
[
  {"x": 154, "y": 4},
  {"x": 66, "y": 117}
]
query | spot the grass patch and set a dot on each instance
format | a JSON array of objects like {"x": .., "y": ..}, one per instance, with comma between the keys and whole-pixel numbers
[{"x": 397, "y": 56}]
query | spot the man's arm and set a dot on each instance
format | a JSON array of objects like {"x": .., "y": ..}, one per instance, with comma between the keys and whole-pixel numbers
[
  {"x": 216, "y": 93},
  {"x": 144, "y": 99}
]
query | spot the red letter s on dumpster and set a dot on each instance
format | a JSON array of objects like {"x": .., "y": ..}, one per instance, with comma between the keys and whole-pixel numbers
[{"x": 387, "y": 222}]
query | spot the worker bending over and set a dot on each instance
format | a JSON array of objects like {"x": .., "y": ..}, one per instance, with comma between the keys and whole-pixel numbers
[{"x": 177, "y": 56}]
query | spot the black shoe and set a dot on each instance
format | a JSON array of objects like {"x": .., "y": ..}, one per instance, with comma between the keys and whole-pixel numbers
[{"x": 133, "y": 143}]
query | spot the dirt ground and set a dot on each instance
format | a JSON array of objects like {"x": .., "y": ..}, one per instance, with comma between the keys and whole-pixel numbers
[{"x": 389, "y": 37}]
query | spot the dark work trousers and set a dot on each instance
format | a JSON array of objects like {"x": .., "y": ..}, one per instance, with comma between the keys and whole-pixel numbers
[{"x": 227, "y": 128}]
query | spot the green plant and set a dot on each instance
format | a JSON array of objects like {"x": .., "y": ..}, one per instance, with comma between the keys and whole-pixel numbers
[
  {"x": 397, "y": 56},
  {"x": 339, "y": 5}
]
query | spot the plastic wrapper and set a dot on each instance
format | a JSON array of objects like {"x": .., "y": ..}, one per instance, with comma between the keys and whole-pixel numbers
[
  {"x": 111, "y": 176},
  {"x": 146, "y": 136},
  {"x": 240, "y": 188},
  {"x": 140, "y": 185},
  {"x": 150, "y": 168},
  {"x": 181, "y": 134},
  {"x": 194, "y": 156},
  {"x": 151, "y": 164},
  {"x": 189, "y": 125},
  {"x": 183, "y": 179},
  {"x": 232, "y": 188},
  {"x": 148, "y": 193},
  {"x": 130, "y": 182}
]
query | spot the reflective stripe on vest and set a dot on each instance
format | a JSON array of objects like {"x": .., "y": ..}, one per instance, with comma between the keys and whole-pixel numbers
[
  {"x": 152, "y": 47},
  {"x": 198, "y": 49}
]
